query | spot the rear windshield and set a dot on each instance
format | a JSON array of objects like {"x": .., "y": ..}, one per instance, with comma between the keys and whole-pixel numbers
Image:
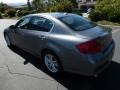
[{"x": 77, "y": 23}]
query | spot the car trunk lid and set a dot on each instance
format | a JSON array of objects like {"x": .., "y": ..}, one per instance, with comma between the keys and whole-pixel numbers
[{"x": 100, "y": 35}]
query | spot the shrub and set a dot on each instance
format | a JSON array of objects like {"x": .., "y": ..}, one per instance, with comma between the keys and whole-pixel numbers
[
  {"x": 77, "y": 12},
  {"x": 11, "y": 12},
  {"x": 1, "y": 16},
  {"x": 22, "y": 13},
  {"x": 4, "y": 15},
  {"x": 109, "y": 10},
  {"x": 65, "y": 6},
  {"x": 95, "y": 16},
  {"x": 2, "y": 9},
  {"x": 51, "y": 9}
]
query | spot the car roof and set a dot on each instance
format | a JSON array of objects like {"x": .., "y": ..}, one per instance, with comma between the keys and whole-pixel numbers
[{"x": 53, "y": 14}]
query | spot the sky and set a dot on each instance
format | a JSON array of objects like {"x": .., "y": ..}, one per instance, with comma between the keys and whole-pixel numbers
[{"x": 13, "y": 1}]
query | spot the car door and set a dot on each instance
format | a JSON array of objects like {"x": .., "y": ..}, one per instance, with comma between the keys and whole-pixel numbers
[
  {"x": 20, "y": 31},
  {"x": 35, "y": 37}
]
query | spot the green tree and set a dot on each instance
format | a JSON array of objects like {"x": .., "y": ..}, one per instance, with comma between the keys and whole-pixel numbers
[
  {"x": 11, "y": 12},
  {"x": 54, "y": 5},
  {"x": 37, "y": 4},
  {"x": 3, "y": 7},
  {"x": 108, "y": 10},
  {"x": 62, "y": 6},
  {"x": 74, "y": 3},
  {"x": 29, "y": 5}
]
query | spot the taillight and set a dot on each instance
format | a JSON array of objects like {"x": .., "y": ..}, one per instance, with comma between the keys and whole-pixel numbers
[{"x": 90, "y": 47}]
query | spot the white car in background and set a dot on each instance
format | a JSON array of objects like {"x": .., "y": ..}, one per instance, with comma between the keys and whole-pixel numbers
[{"x": 86, "y": 15}]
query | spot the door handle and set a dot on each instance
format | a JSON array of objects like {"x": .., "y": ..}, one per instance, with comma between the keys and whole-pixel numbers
[{"x": 42, "y": 37}]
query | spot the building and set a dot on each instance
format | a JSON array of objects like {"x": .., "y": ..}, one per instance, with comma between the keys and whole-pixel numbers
[{"x": 85, "y": 4}]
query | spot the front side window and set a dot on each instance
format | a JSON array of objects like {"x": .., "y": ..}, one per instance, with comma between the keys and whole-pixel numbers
[
  {"x": 77, "y": 23},
  {"x": 40, "y": 24},
  {"x": 23, "y": 24}
]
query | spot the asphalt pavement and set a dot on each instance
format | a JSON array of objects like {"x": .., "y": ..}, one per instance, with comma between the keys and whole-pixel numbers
[{"x": 21, "y": 71}]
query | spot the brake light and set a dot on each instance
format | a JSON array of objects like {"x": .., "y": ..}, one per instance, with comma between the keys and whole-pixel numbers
[{"x": 90, "y": 47}]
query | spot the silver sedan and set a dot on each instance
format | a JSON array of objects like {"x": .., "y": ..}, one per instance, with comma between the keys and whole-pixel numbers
[{"x": 64, "y": 42}]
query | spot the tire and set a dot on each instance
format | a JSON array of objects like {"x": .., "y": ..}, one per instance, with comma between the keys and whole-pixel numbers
[
  {"x": 7, "y": 40},
  {"x": 52, "y": 63}
]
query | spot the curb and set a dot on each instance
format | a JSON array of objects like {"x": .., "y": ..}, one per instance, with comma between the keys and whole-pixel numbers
[{"x": 110, "y": 26}]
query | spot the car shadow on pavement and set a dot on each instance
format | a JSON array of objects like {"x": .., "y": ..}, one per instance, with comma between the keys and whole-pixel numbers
[{"x": 108, "y": 80}]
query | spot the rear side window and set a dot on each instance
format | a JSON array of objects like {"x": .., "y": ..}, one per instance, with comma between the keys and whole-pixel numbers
[
  {"x": 40, "y": 24},
  {"x": 77, "y": 23}
]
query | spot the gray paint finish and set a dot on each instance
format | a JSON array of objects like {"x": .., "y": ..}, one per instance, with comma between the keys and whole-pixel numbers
[{"x": 62, "y": 40}]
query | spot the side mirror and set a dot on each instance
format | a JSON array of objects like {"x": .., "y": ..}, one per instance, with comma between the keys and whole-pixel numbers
[{"x": 12, "y": 27}]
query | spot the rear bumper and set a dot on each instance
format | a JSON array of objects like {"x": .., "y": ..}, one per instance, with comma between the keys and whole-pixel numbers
[
  {"x": 89, "y": 69},
  {"x": 106, "y": 60}
]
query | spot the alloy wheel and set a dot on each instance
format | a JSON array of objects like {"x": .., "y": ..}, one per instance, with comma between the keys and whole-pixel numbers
[{"x": 51, "y": 63}]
